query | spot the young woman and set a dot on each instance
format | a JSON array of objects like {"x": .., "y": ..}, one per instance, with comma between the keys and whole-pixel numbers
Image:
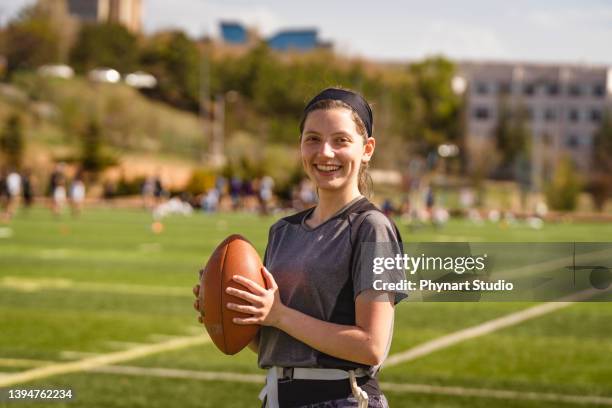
[{"x": 325, "y": 330}]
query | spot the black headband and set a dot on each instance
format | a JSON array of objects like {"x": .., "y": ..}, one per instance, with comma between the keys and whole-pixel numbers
[{"x": 354, "y": 100}]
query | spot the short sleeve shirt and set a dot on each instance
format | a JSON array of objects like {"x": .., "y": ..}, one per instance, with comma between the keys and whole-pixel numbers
[{"x": 318, "y": 273}]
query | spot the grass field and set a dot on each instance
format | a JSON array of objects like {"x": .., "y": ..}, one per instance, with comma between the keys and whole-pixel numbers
[{"x": 104, "y": 286}]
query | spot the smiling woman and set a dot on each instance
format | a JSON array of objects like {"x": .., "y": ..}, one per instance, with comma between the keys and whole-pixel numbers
[{"x": 325, "y": 329}]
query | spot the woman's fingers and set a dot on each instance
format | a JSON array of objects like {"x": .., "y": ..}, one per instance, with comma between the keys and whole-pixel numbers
[
  {"x": 252, "y": 286},
  {"x": 200, "y": 319},
  {"x": 196, "y": 304},
  {"x": 246, "y": 320},
  {"x": 249, "y": 297},
  {"x": 243, "y": 308},
  {"x": 196, "y": 290},
  {"x": 270, "y": 282}
]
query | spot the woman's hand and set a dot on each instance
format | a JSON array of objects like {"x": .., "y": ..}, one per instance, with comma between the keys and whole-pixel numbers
[
  {"x": 265, "y": 306},
  {"x": 196, "y": 302}
]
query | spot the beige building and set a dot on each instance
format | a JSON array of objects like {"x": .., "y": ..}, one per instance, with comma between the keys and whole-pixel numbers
[
  {"x": 125, "y": 12},
  {"x": 565, "y": 105}
]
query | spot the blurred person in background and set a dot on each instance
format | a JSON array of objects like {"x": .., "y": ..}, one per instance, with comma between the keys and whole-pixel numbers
[
  {"x": 3, "y": 192},
  {"x": 57, "y": 189},
  {"x": 147, "y": 192},
  {"x": 77, "y": 193},
  {"x": 13, "y": 190},
  {"x": 266, "y": 192},
  {"x": 26, "y": 188}
]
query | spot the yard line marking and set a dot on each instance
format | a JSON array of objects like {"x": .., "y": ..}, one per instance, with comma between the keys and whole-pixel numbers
[
  {"x": 185, "y": 374},
  {"x": 386, "y": 386},
  {"x": 23, "y": 362},
  {"x": 526, "y": 270},
  {"x": 487, "y": 327},
  {"x": 122, "y": 345},
  {"x": 101, "y": 360},
  {"x": 496, "y": 393},
  {"x": 34, "y": 285},
  {"x": 73, "y": 354}
]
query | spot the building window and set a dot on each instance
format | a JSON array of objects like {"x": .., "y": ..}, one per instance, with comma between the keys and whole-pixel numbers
[
  {"x": 595, "y": 115},
  {"x": 574, "y": 115},
  {"x": 574, "y": 90},
  {"x": 504, "y": 88},
  {"x": 529, "y": 89},
  {"x": 482, "y": 88},
  {"x": 552, "y": 89},
  {"x": 599, "y": 90},
  {"x": 550, "y": 114},
  {"x": 481, "y": 113},
  {"x": 572, "y": 141}
]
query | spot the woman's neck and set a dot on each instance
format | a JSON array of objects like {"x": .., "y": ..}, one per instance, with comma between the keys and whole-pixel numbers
[{"x": 330, "y": 202}]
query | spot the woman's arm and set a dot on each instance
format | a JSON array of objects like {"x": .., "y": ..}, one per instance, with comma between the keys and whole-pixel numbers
[{"x": 365, "y": 342}]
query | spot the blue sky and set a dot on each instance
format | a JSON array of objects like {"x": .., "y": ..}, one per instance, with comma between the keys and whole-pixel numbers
[{"x": 545, "y": 30}]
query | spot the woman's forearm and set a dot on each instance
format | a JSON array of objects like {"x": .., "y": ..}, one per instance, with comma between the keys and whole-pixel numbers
[{"x": 351, "y": 343}]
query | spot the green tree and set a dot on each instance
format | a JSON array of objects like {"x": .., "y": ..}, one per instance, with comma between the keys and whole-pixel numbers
[
  {"x": 12, "y": 142},
  {"x": 31, "y": 40},
  {"x": 175, "y": 60},
  {"x": 105, "y": 45},
  {"x": 600, "y": 184},
  {"x": 563, "y": 190},
  {"x": 439, "y": 107},
  {"x": 512, "y": 137},
  {"x": 93, "y": 157}
]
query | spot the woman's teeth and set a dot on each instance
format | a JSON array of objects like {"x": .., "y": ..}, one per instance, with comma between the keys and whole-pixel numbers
[{"x": 325, "y": 167}]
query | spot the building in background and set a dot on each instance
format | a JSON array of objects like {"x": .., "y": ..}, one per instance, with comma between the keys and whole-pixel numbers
[
  {"x": 296, "y": 39},
  {"x": 233, "y": 33},
  {"x": 125, "y": 12},
  {"x": 564, "y": 107}
]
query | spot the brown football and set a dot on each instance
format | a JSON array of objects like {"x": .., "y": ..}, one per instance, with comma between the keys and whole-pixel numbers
[{"x": 234, "y": 256}]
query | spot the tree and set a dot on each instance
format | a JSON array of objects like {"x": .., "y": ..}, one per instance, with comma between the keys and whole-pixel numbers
[
  {"x": 31, "y": 40},
  {"x": 563, "y": 190},
  {"x": 512, "y": 137},
  {"x": 105, "y": 45},
  {"x": 12, "y": 143},
  {"x": 600, "y": 185},
  {"x": 93, "y": 157},
  {"x": 175, "y": 60},
  {"x": 440, "y": 107}
]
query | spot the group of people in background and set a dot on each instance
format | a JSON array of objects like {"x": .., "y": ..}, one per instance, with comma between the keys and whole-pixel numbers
[
  {"x": 17, "y": 190},
  {"x": 236, "y": 194}
]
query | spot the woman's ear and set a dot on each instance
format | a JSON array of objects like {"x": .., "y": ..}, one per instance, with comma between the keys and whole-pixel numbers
[{"x": 368, "y": 149}]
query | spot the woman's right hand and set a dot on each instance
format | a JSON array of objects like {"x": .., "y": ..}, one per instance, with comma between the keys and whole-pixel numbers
[{"x": 196, "y": 302}]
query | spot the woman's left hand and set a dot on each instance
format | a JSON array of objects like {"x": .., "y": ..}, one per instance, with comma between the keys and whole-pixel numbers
[{"x": 265, "y": 306}]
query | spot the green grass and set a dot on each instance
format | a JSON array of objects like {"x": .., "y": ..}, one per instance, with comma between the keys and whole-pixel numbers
[{"x": 91, "y": 283}]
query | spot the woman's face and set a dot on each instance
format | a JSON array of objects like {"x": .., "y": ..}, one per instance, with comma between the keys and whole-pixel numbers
[{"x": 332, "y": 149}]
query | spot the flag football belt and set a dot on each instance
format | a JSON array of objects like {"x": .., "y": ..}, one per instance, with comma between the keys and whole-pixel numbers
[{"x": 270, "y": 390}]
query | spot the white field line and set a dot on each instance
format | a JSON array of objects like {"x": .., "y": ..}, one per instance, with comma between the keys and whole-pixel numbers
[
  {"x": 185, "y": 374},
  {"x": 588, "y": 257},
  {"x": 74, "y": 355},
  {"x": 490, "y": 326},
  {"x": 392, "y": 387},
  {"x": 35, "y": 285},
  {"x": 101, "y": 360},
  {"x": 496, "y": 393}
]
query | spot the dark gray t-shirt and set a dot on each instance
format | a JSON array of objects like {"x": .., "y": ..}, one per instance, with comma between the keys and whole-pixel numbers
[{"x": 319, "y": 273}]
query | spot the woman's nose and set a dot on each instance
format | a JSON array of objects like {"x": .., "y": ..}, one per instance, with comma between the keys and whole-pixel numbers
[{"x": 326, "y": 150}]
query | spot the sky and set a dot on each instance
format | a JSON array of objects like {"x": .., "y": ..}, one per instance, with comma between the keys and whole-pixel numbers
[{"x": 520, "y": 30}]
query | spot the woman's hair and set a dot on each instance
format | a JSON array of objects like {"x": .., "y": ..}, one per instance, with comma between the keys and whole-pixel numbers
[{"x": 364, "y": 181}]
